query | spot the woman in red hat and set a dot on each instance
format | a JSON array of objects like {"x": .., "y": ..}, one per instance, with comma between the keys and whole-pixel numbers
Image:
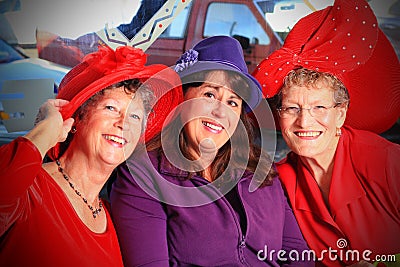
[
  {"x": 189, "y": 201},
  {"x": 51, "y": 213},
  {"x": 335, "y": 80}
]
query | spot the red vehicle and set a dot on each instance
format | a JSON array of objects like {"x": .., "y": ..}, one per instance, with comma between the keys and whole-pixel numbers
[
  {"x": 203, "y": 18},
  {"x": 199, "y": 19}
]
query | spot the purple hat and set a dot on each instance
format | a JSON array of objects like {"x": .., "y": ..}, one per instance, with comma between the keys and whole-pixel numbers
[{"x": 220, "y": 53}]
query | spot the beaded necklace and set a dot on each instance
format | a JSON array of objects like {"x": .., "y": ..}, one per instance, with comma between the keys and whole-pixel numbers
[{"x": 94, "y": 211}]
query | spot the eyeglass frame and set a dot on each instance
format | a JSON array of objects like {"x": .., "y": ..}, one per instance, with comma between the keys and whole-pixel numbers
[{"x": 299, "y": 109}]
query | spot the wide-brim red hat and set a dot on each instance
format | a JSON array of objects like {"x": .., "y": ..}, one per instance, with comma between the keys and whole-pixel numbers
[
  {"x": 106, "y": 67},
  {"x": 344, "y": 40}
]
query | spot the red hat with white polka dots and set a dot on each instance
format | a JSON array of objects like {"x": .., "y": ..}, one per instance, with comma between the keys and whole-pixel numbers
[{"x": 343, "y": 40}]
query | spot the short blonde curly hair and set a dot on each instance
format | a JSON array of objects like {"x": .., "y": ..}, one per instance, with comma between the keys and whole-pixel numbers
[{"x": 307, "y": 77}]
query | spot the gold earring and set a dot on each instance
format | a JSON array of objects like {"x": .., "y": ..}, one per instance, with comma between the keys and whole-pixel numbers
[
  {"x": 338, "y": 131},
  {"x": 73, "y": 129}
]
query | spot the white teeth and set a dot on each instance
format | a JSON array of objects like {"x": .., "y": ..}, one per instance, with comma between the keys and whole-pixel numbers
[
  {"x": 308, "y": 134},
  {"x": 115, "y": 139},
  {"x": 212, "y": 126}
]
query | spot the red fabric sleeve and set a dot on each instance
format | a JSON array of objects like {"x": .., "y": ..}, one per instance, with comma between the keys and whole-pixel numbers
[
  {"x": 20, "y": 163},
  {"x": 392, "y": 174}
]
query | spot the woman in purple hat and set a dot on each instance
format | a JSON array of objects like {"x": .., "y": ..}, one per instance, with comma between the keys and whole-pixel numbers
[{"x": 187, "y": 200}]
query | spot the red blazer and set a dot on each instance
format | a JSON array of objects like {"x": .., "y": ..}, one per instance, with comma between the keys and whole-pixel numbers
[{"x": 364, "y": 200}]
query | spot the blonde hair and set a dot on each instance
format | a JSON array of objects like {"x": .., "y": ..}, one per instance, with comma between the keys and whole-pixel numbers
[{"x": 307, "y": 77}]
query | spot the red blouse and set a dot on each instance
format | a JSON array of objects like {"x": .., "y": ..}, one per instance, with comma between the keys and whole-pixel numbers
[
  {"x": 364, "y": 200},
  {"x": 38, "y": 225}
]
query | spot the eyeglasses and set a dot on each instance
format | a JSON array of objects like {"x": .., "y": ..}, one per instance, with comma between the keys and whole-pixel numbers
[{"x": 316, "y": 111}]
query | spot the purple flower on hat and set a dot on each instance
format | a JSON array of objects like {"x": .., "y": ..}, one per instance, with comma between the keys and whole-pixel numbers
[{"x": 186, "y": 60}]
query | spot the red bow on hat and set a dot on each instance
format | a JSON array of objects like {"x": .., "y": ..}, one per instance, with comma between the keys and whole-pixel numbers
[
  {"x": 344, "y": 40},
  {"x": 107, "y": 61}
]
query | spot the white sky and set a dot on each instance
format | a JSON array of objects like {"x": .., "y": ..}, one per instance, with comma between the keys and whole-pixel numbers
[{"x": 69, "y": 18}]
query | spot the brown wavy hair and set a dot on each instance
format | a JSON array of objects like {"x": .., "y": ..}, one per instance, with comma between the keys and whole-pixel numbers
[{"x": 247, "y": 153}]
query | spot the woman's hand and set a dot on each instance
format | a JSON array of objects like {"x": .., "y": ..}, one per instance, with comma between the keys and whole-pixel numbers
[{"x": 50, "y": 128}]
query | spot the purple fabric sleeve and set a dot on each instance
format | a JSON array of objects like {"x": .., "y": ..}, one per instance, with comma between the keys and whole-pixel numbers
[
  {"x": 293, "y": 239},
  {"x": 140, "y": 224}
]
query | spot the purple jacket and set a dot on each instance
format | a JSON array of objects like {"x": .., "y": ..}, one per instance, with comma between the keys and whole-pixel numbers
[{"x": 153, "y": 233}]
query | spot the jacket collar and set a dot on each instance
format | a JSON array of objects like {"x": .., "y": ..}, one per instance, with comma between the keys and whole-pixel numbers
[
  {"x": 167, "y": 168},
  {"x": 304, "y": 191},
  {"x": 345, "y": 186}
]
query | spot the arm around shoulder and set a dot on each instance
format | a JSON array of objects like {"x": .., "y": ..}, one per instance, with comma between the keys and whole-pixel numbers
[
  {"x": 140, "y": 219},
  {"x": 297, "y": 252}
]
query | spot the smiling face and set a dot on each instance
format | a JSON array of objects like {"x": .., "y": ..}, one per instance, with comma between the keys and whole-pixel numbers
[
  {"x": 211, "y": 111},
  {"x": 306, "y": 135},
  {"x": 111, "y": 127}
]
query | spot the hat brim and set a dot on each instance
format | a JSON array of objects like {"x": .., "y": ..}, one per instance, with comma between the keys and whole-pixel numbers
[
  {"x": 251, "y": 101},
  {"x": 109, "y": 80},
  {"x": 163, "y": 81}
]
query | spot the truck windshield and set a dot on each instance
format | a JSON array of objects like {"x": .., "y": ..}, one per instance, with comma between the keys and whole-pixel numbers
[{"x": 237, "y": 20}]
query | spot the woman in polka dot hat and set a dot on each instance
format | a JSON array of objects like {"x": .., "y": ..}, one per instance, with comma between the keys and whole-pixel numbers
[{"x": 335, "y": 84}]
